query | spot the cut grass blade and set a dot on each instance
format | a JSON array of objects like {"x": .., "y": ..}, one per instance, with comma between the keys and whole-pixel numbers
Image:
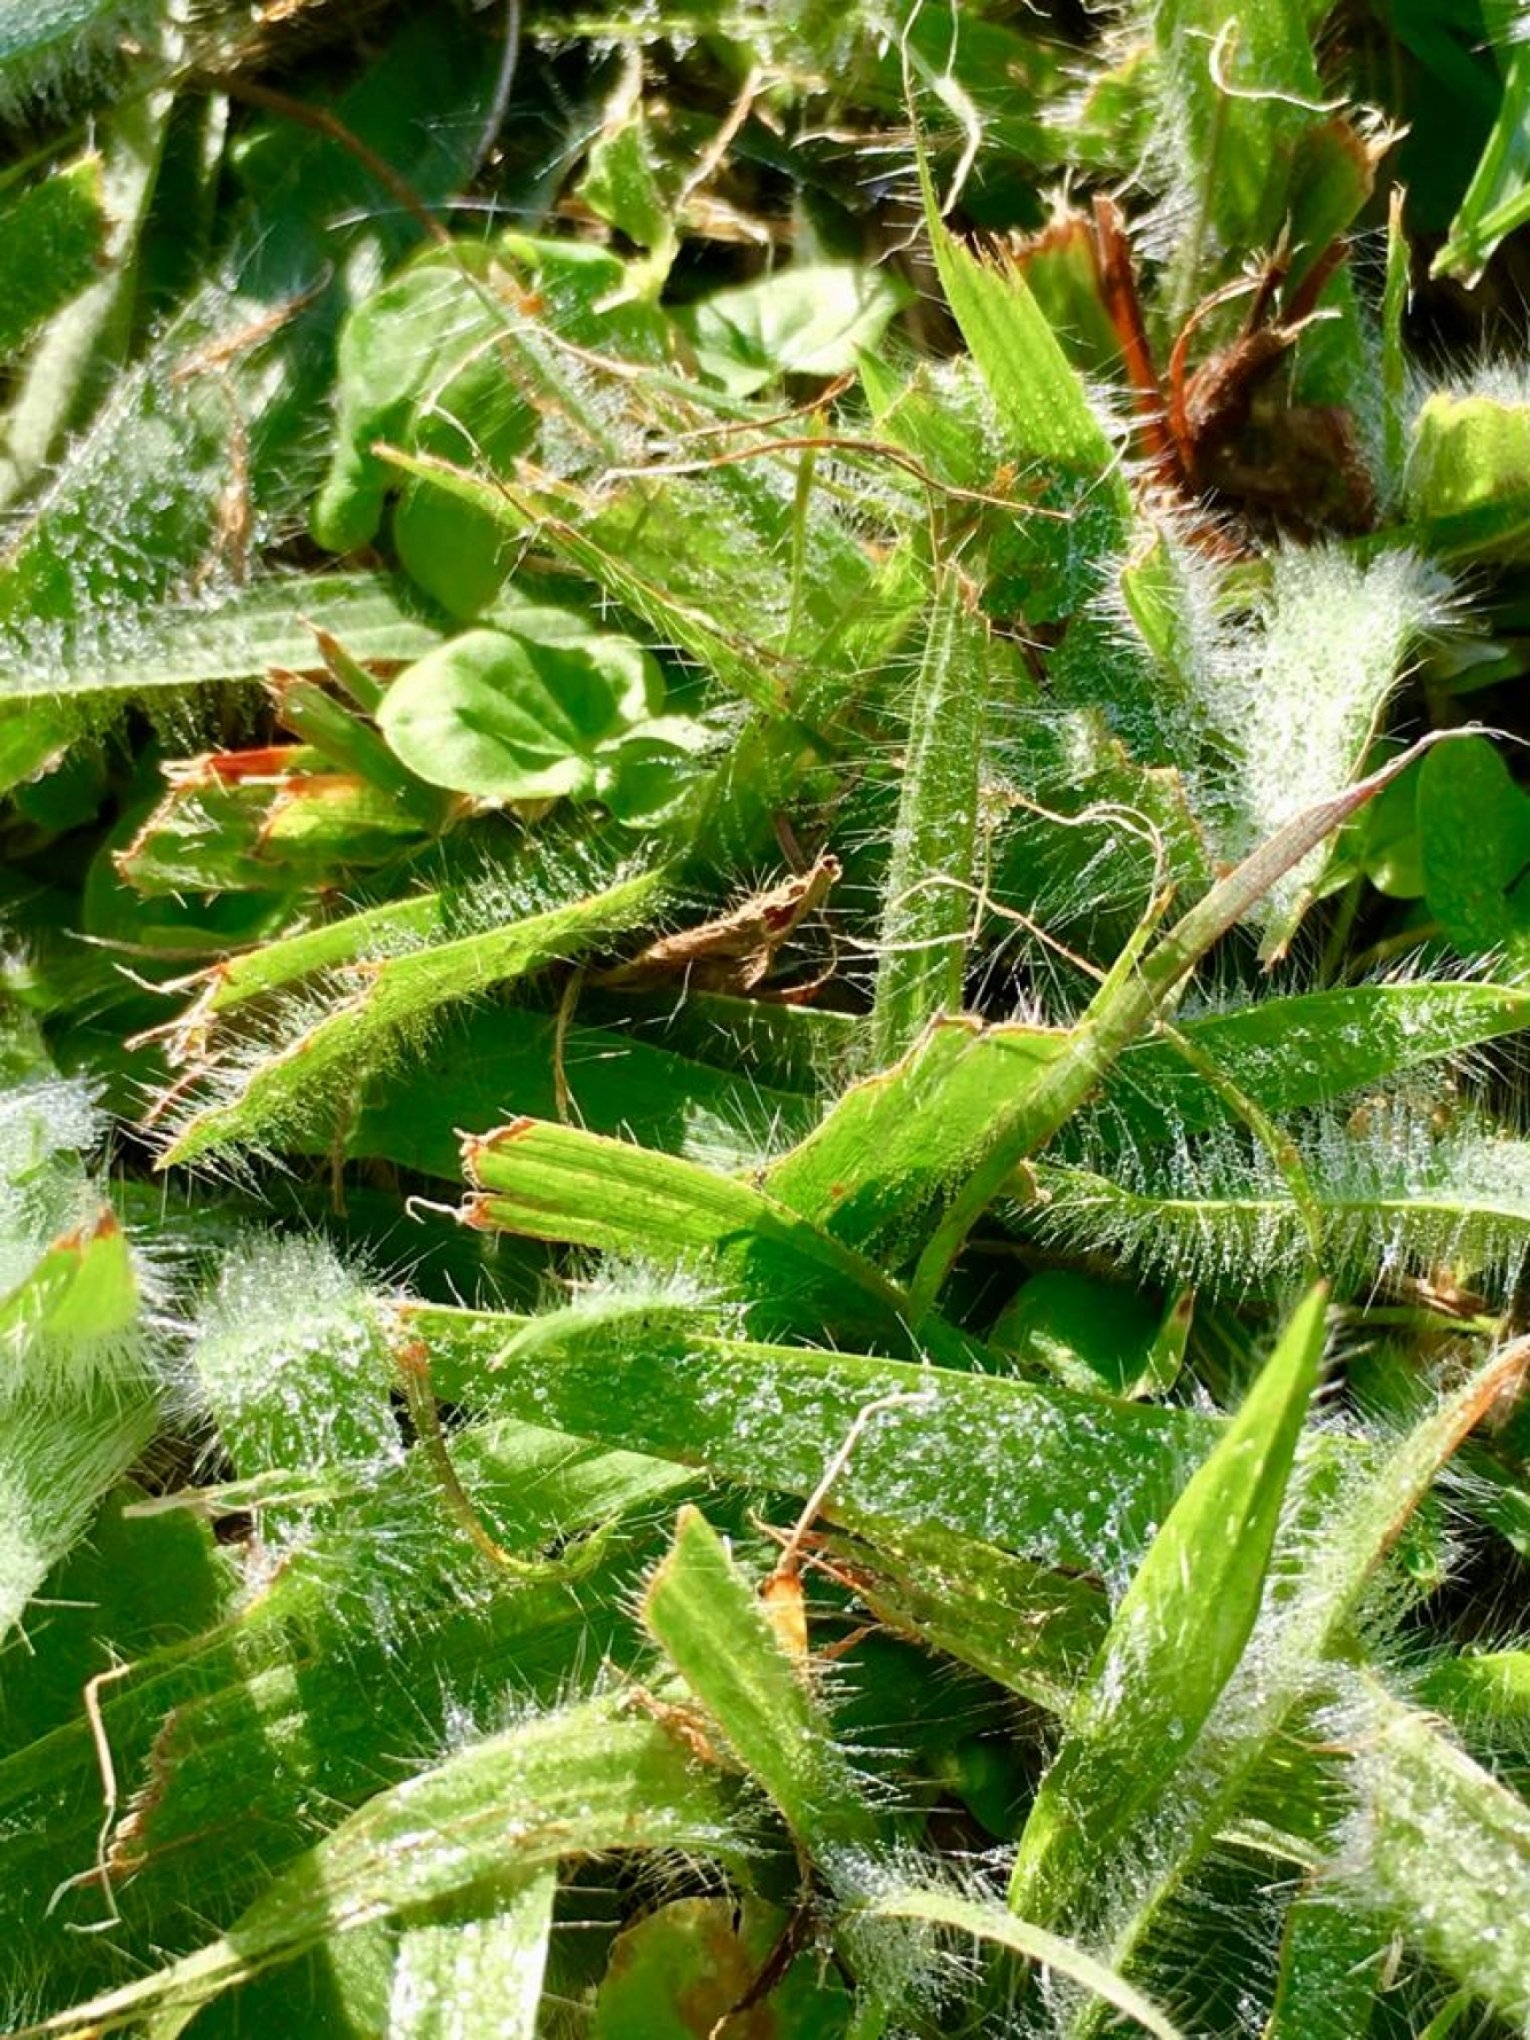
[
  {"x": 561, "y": 1183},
  {"x": 316, "y": 1071}
]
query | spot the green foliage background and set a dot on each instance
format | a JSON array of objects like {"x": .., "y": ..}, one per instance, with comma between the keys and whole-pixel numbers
[{"x": 763, "y": 1184}]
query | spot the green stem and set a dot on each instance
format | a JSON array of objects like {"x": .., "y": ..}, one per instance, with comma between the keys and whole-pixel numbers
[{"x": 1134, "y": 995}]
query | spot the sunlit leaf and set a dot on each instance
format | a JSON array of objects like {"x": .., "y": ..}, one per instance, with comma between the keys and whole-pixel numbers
[{"x": 1179, "y": 1631}]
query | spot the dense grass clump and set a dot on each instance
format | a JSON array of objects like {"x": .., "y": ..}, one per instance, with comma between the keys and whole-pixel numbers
[{"x": 763, "y": 1173}]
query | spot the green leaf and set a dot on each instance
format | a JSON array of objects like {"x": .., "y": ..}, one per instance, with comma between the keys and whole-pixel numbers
[
  {"x": 618, "y": 1083},
  {"x": 1339, "y": 1534},
  {"x": 247, "y": 975},
  {"x": 396, "y": 345},
  {"x": 1030, "y": 1627},
  {"x": 1482, "y": 1690},
  {"x": 1497, "y": 200},
  {"x": 676, "y": 1972},
  {"x": 699, "y": 563},
  {"x": 1038, "y": 395},
  {"x": 715, "y": 1630},
  {"x": 1240, "y": 93},
  {"x": 623, "y": 182},
  {"x": 51, "y": 238},
  {"x": 1444, "y": 1849},
  {"x": 133, "y": 1585},
  {"x": 269, "y": 821},
  {"x": 344, "y": 740},
  {"x": 86, "y": 342},
  {"x": 74, "y": 1312},
  {"x": 509, "y": 718},
  {"x": 930, "y": 881},
  {"x": 1178, "y": 1633},
  {"x": 1394, "y": 362},
  {"x": 449, "y": 358},
  {"x": 558, "y": 1182},
  {"x": 593, "y": 1778},
  {"x": 1060, "y": 268},
  {"x": 1290, "y": 1053},
  {"x": 1388, "y": 1188},
  {"x": 1092, "y": 1334},
  {"x": 1032, "y": 1943},
  {"x": 316, "y": 1071},
  {"x": 912, "y": 1119},
  {"x": 482, "y": 1972},
  {"x": 1333, "y": 175},
  {"x": 1331, "y": 1963},
  {"x": 160, "y": 450},
  {"x": 1474, "y": 845},
  {"x": 46, "y": 46},
  {"x": 182, "y": 645},
  {"x": 78, "y": 1402},
  {"x": 949, "y": 1448},
  {"x": 374, "y": 1641},
  {"x": 1336, "y": 642},
  {"x": 954, "y": 1119},
  {"x": 810, "y": 319},
  {"x": 306, "y": 1388},
  {"x": 1468, "y": 475},
  {"x": 59, "y": 1454}
]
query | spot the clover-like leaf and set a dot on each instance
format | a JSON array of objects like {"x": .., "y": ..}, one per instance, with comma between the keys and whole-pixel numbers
[
  {"x": 812, "y": 319},
  {"x": 510, "y": 718}
]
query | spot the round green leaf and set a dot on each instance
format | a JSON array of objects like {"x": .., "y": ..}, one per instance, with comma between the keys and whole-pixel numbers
[
  {"x": 812, "y": 319},
  {"x": 676, "y": 1974},
  {"x": 649, "y": 771},
  {"x": 1474, "y": 838},
  {"x": 506, "y": 718}
]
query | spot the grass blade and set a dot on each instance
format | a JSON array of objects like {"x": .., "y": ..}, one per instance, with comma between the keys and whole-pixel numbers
[
  {"x": 317, "y": 1070},
  {"x": 1176, "y": 1638},
  {"x": 558, "y": 1182},
  {"x": 986, "y": 1922},
  {"x": 50, "y": 244},
  {"x": 1330, "y": 1973},
  {"x": 924, "y": 932},
  {"x": 700, "y": 1609},
  {"x": 1303, "y": 1050},
  {"x": 1072, "y": 1479},
  {"x": 1039, "y": 396},
  {"x": 590, "y": 1779},
  {"x": 481, "y": 1974},
  {"x": 1498, "y": 198},
  {"x": 1444, "y": 1849},
  {"x": 1339, "y": 1538},
  {"x": 1387, "y": 1189}
]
